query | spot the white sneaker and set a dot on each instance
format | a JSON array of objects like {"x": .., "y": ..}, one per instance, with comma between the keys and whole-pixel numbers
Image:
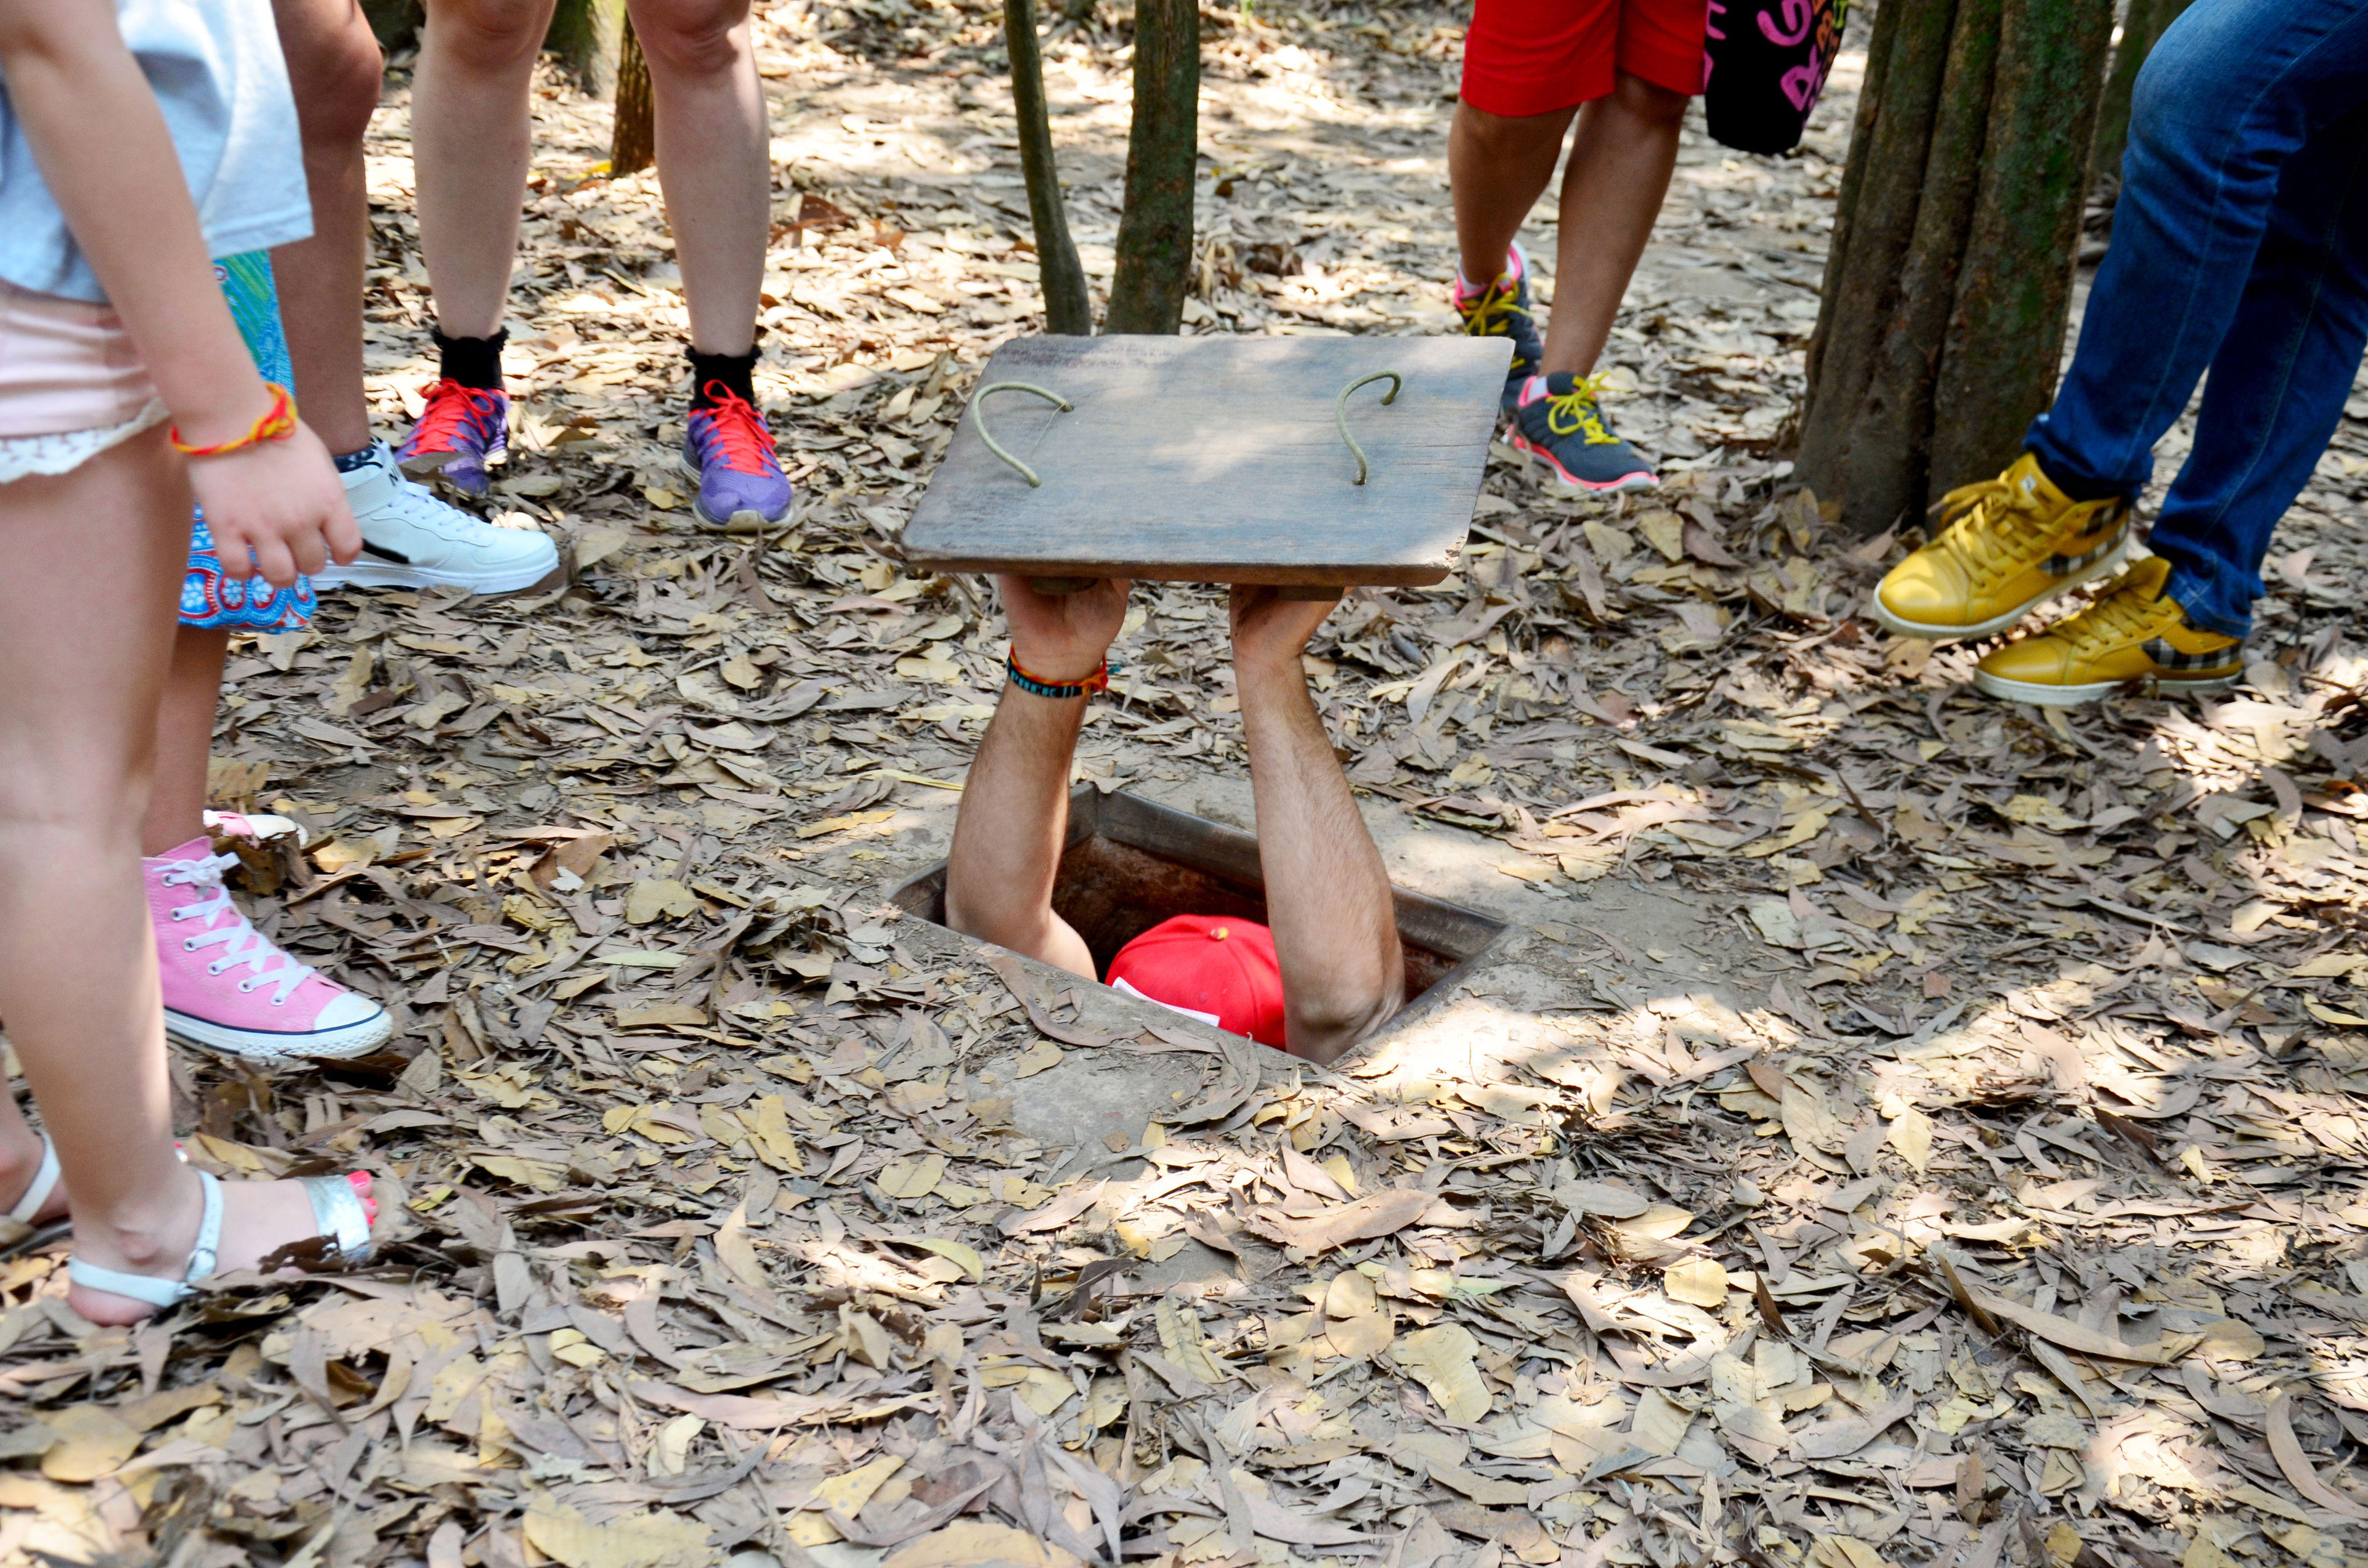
[{"x": 411, "y": 540}]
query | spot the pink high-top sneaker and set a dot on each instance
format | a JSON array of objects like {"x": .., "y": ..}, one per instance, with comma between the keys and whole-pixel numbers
[{"x": 227, "y": 989}]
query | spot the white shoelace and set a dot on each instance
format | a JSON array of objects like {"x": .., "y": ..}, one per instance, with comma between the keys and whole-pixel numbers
[
  {"x": 249, "y": 946},
  {"x": 415, "y": 504}
]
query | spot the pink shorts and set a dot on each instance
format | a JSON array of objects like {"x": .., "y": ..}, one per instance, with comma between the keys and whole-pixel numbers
[{"x": 70, "y": 383}]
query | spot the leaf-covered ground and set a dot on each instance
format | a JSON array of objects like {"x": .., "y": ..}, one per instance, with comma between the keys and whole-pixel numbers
[{"x": 1895, "y": 1127}]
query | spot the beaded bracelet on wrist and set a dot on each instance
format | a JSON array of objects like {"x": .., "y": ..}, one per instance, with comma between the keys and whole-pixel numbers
[{"x": 1036, "y": 686}]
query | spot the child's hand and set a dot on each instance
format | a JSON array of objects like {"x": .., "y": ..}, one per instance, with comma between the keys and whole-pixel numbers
[
  {"x": 277, "y": 509},
  {"x": 1062, "y": 637}
]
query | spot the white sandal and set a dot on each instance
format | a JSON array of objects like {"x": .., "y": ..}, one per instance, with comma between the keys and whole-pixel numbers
[
  {"x": 337, "y": 1214},
  {"x": 19, "y": 1225}
]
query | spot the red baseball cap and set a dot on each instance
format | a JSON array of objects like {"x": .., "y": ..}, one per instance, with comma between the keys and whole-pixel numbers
[{"x": 1204, "y": 964}]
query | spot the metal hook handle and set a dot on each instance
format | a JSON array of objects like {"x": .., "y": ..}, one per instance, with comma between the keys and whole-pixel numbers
[
  {"x": 978, "y": 422},
  {"x": 1340, "y": 410}
]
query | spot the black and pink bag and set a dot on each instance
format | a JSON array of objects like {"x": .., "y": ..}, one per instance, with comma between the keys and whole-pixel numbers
[{"x": 1767, "y": 62}]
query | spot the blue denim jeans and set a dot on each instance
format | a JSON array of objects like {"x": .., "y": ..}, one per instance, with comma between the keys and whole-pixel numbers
[{"x": 2240, "y": 247}]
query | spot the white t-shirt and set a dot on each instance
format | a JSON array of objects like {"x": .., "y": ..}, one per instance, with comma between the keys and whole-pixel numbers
[{"x": 217, "y": 73}]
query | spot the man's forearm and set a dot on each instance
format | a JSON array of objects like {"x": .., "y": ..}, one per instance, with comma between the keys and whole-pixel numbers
[
  {"x": 1009, "y": 833},
  {"x": 1327, "y": 894}
]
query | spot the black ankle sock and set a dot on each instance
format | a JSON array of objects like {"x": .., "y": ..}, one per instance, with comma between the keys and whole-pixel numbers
[
  {"x": 349, "y": 461},
  {"x": 2080, "y": 487},
  {"x": 736, "y": 371},
  {"x": 472, "y": 362}
]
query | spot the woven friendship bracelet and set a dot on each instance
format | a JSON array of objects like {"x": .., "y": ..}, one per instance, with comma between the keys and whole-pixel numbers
[
  {"x": 1037, "y": 686},
  {"x": 277, "y": 423}
]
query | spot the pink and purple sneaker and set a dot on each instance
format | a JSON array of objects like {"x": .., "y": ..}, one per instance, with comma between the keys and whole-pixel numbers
[
  {"x": 227, "y": 988},
  {"x": 460, "y": 431},
  {"x": 729, "y": 450}
]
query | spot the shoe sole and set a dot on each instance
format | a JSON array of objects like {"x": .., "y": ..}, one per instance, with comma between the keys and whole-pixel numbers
[
  {"x": 1899, "y": 625},
  {"x": 747, "y": 520},
  {"x": 2040, "y": 695},
  {"x": 250, "y": 1045},
  {"x": 267, "y": 828},
  {"x": 1565, "y": 479},
  {"x": 431, "y": 465},
  {"x": 371, "y": 575}
]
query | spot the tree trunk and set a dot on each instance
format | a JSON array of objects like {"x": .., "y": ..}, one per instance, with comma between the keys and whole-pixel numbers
[
  {"x": 1895, "y": 398},
  {"x": 589, "y": 36},
  {"x": 1950, "y": 278},
  {"x": 395, "y": 22},
  {"x": 2140, "y": 29},
  {"x": 2005, "y": 344},
  {"x": 1874, "y": 219},
  {"x": 1155, "y": 230},
  {"x": 635, "y": 143},
  {"x": 1069, "y": 308}
]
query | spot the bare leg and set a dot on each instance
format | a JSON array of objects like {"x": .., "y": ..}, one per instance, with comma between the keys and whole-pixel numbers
[
  {"x": 185, "y": 733},
  {"x": 1327, "y": 894},
  {"x": 1498, "y": 168},
  {"x": 714, "y": 160},
  {"x": 1612, "y": 191},
  {"x": 77, "y": 958},
  {"x": 176, "y": 814},
  {"x": 335, "y": 66},
  {"x": 471, "y": 133}
]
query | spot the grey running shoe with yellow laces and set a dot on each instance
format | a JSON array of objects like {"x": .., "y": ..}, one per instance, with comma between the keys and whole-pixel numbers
[{"x": 1558, "y": 418}]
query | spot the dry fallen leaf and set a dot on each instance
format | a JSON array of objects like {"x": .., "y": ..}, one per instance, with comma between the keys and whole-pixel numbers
[
  {"x": 1441, "y": 1358},
  {"x": 2296, "y": 1466},
  {"x": 1697, "y": 1280},
  {"x": 1037, "y": 1058},
  {"x": 655, "y": 1538},
  {"x": 1381, "y": 1214},
  {"x": 91, "y": 1441},
  {"x": 976, "y": 1543}
]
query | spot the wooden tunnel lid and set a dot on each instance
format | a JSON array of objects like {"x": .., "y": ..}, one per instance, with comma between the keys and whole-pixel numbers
[{"x": 1218, "y": 460}]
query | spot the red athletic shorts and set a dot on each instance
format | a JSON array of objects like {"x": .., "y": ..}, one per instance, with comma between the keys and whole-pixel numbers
[{"x": 1525, "y": 57}]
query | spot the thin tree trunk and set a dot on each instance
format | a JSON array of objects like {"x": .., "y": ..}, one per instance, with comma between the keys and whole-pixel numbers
[
  {"x": 2140, "y": 29},
  {"x": 589, "y": 36},
  {"x": 1883, "y": 186},
  {"x": 635, "y": 143},
  {"x": 1947, "y": 286},
  {"x": 1069, "y": 308},
  {"x": 1882, "y": 467},
  {"x": 1870, "y": 99},
  {"x": 1154, "y": 231},
  {"x": 395, "y": 22},
  {"x": 2005, "y": 343}
]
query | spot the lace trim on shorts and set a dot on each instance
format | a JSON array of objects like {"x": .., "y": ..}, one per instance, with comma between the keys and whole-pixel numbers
[{"x": 22, "y": 457}]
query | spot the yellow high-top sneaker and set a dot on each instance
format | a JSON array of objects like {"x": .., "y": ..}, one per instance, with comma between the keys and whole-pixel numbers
[
  {"x": 2134, "y": 633},
  {"x": 2011, "y": 543}
]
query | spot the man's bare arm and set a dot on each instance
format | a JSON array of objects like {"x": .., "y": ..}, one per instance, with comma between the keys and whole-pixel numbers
[
  {"x": 1328, "y": 896},
  {"x": 1015, "y": 805}
]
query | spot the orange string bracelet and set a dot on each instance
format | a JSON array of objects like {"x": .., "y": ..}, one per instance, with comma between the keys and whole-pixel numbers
[
  {"x": 277, "y": 423},
  {"x": 1060, "y": 691}
]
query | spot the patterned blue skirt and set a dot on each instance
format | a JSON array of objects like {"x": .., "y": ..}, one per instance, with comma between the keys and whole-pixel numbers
[{"x": 210, "y": 599}]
